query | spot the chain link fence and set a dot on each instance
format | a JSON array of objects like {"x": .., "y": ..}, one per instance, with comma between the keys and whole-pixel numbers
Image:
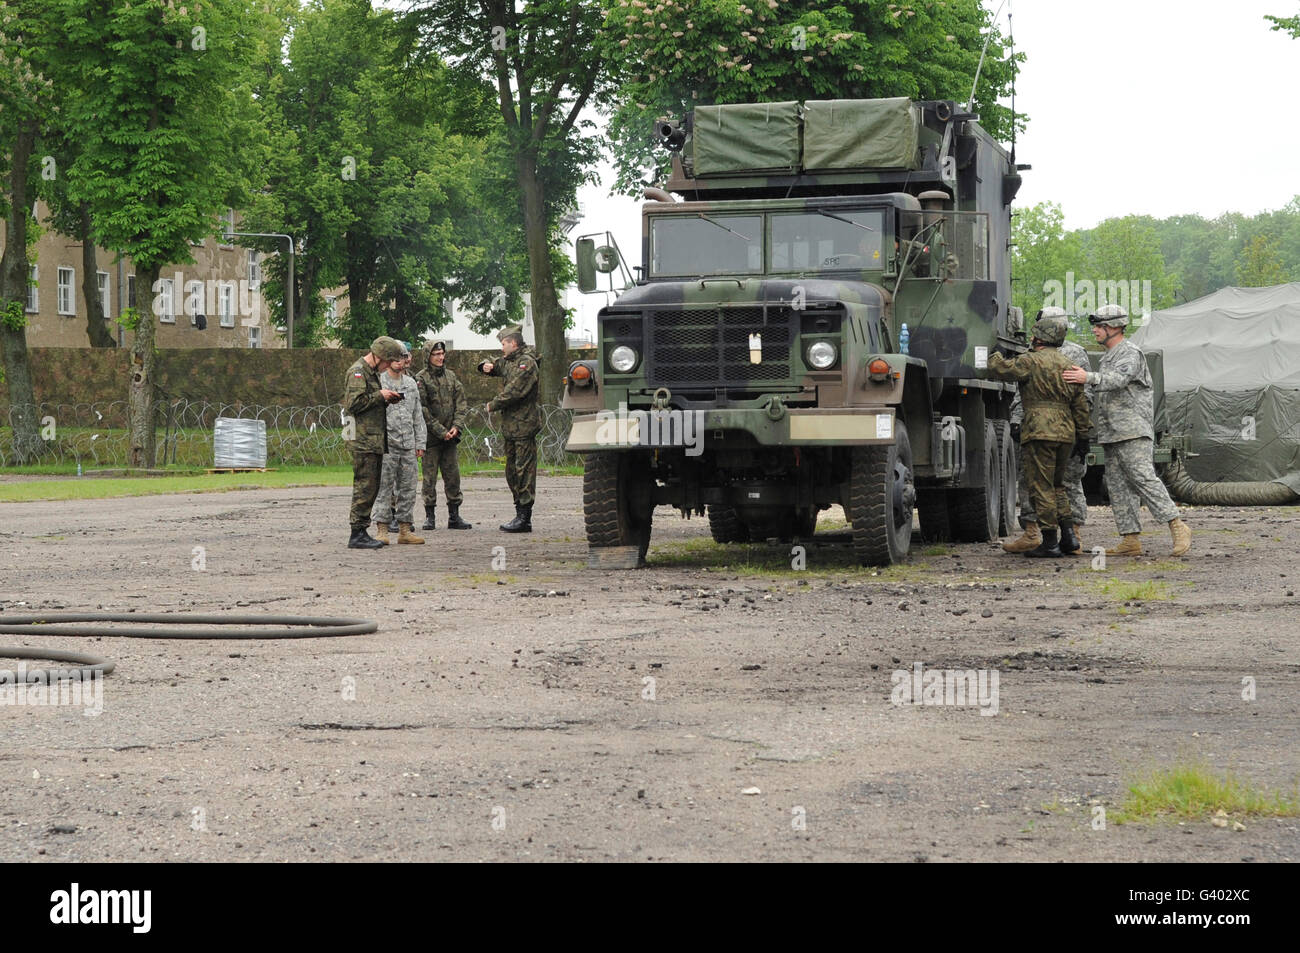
[{"x": 95, "y": 435}]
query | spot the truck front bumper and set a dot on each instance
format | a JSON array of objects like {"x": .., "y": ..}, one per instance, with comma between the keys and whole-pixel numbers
[{"x": 775, "y": 425}]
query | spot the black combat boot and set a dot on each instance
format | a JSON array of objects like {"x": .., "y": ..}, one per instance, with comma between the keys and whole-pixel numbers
[
  {"x": 1048, "y": 547},
  {"x": 429, "y": 521},
  {"x": 363, "y": 540},
  {"x": 1070, "y": 545},
  {"x": 523, "y": 521},
  {"x": 453, "y": 518}
]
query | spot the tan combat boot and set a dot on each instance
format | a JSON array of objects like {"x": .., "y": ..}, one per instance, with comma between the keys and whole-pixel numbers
[
  {"x": 1129, "y": 546},
  {"x": 381, "y": 532},
  {"x": 1028, "y": 540},
  {"x": 1182, "y": 534},
  {"x": 406, "y": 535}
]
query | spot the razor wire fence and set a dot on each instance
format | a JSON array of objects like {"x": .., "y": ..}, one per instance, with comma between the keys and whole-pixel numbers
[{"x": 96, "y": 435}]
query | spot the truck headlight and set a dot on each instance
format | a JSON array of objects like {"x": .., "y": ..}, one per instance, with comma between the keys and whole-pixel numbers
[
  {"x": 821, "y": 355},
  {"x": 622, "y": 358}
]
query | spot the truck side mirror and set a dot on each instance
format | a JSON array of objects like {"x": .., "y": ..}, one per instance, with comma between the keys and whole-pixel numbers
[{"x": 586, "y": 261}]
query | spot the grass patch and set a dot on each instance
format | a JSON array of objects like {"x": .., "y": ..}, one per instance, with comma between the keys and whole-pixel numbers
[
  {"x": 95, "y": 488},
  {"x": 1122, "y": 591},
  {"x": 1188, "y": 791}
]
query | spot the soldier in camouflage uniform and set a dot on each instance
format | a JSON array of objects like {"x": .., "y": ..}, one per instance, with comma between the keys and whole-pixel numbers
[
  {"x": 521, "y": 418},
  {"x": 400, "y": 474},
  {"x": 1055, "y": 420},
  {"x": 366, "y": 429},
  {"x": 1124, "y": 423},
  {"x": 442, "y": 397},
  {"x": 1074, "y": 470}
]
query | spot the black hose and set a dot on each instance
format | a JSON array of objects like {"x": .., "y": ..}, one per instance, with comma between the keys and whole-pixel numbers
[{"x": 54, "y": 623}]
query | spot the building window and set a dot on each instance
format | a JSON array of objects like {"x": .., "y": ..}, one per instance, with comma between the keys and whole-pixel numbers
[
  {"x": 254, "y": 270},
  {"x": 165, "y": 302},
  {"x": 66, "y": 299},
  {"x": 254, "y": 336},
  {"x": 130, "y": 291},
  {"x": 194, "y": 303},
  {"x": 227, "y": 223},
  {"x": 33, "y": 293},
  {"x": 226, "y": 303},
  {"x": 105, "y": 299}
]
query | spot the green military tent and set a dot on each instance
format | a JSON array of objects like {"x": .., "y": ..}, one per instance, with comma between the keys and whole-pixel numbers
[{"x": 1232, "y": 384}]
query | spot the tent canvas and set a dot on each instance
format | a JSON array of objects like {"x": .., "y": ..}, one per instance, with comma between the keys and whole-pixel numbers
[{"x": 1232, "y": 382}]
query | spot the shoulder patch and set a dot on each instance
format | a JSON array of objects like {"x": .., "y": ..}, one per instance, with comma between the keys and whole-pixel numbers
[{"x": 357, "y": 374}]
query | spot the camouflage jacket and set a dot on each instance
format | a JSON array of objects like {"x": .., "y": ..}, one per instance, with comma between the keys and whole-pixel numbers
[
  {"x": 1053, "y": 408},
  {"x": 1076, "y": 355},
  {"x": 1122, "y": 409},
  {"x": 442, "y": 396},
  {"x": 520, "y": 415},
  {"x": 364, "y": 405},
  {"x": 405, "y": 421}
]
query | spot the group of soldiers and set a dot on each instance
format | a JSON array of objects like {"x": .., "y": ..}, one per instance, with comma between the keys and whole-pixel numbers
[
  {"x": 1060, "y": 409},
  {"x": 397, "y": 420}
]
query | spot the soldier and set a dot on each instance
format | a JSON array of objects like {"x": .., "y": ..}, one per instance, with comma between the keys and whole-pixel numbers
[
  {"x": 1124, "y": 423},
  {"x": 406, "y": 436},
  {"x": 1074, "y": 469},
  {"x": 365, "y": 401},
  {"x": 521, "y": 418},
  {"x": 442, "y": 397},
  {"x": 1055, "y": 419}
]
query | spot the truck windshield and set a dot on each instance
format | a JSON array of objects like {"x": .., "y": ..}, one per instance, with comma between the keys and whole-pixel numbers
[
  {"x": 816, "y": 241},
  {"x": 706, "y": 245}
]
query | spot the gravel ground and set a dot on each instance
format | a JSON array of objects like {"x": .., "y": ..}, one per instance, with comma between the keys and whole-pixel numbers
[{"x": 715, "y": 705}]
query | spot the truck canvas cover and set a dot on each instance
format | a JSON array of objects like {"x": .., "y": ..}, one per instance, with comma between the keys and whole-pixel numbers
[
  {"x": 746, "y": 137},
  {"x": 860, "y": 134}
]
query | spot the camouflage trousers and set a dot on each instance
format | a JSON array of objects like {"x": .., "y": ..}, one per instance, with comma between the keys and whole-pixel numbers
[
  {"x": 397, "y": 482},
  {"x": 1045, "y": 462},
  {"x": 1074, "y": 471},
  {"x": 366, "y": 468},
  {"x": 1131, "y": 481},
  {"x": 441, "y": 455},
  {"x": 521, "y": 469}
]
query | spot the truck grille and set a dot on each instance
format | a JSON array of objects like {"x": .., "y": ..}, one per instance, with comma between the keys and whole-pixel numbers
[{"x": 709, "y": 348}]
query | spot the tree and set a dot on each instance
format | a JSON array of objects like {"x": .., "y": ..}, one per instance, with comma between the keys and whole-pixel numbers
[
  {"x": 1289, "y": 24},
  {"x": 675, "y": 55},
  {"x": 162, "y": 120},
  {"x": 1043, "y": 258},
  {"x": 544, "y": 60},
  {"x": 1260, "y": 264},
  {"x": 1125, "y": 266}
]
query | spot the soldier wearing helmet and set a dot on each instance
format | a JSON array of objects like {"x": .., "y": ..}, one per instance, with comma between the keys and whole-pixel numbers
[
  {"x": 1055, "y": 421},
  {"x": 1074, "y": 469},
  {"x": 1123, "y": 420}
]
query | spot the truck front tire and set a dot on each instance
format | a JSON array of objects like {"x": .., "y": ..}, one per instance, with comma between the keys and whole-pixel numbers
[
  {"x": 616, "y": 502},
  {"x": 882, "y": 494}
]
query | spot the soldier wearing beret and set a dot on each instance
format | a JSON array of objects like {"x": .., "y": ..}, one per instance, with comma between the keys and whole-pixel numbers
[
  {"x": 521, "y": 419},
  {"x": 1056, "y": 420},
  {"x": 365, "y": 403}
]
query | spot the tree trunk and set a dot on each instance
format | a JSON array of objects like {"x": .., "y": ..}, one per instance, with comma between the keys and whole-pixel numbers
[
  {"x": 95, "y": 329},
  {"x": 24, "y": 416},
  {"x": 548, "y": 316},
  {"x": 141, "y": 396}
]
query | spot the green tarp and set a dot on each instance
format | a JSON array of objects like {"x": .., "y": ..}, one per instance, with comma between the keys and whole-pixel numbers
[
  {"x": 859, "y": 134},
  {"x": 747, "y": 137}
]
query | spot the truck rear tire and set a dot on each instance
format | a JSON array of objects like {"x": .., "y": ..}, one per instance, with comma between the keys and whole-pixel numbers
[
  {"x": 615, "y": 502},
  {"x": 725, "y": 525},
  {"x": 1010, "y": 479},
  {"x": 977, "y": 510},
  {"x": 882, "y": 494}
]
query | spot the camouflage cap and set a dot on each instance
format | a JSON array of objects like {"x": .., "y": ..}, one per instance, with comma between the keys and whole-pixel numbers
[
  {"x": 1112, "y": 315},
  {"x": 386, "y": 348},
  {"x": 1050, "y": 331},
  {"x": 512, "y": 329}
]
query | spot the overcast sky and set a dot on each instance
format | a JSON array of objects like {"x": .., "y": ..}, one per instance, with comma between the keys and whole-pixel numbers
[{"x": 1157, "y": 107}]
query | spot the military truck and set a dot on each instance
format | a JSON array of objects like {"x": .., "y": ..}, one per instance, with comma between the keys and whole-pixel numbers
[{"x": 757, "y": 369}]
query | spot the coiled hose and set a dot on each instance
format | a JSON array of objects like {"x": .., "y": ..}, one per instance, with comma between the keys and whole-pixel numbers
[
  {"x": 56, "y": 623},
  {"x": 1256, "y": 493}
]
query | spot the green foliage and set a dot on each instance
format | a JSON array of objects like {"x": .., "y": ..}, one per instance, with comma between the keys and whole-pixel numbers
[
  {"x": 129, "y": 319},
  {"x": 14, "y": 317},
  {"x": 1260, "y": 263},
  {"x": 670, "y": 57},
  {"x": 1288, "y": 24}
]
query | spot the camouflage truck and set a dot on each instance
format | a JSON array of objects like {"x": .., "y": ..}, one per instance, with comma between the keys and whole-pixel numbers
[{"x": 756, "y": 368}]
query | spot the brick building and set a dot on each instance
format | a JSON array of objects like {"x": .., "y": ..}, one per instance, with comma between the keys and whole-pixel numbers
[{"x": 223, "y": 285}]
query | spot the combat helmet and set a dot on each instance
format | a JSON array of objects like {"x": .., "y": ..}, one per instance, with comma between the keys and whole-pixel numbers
[
  {"x": 1050, "y": 331},
  {"x": 1110, "y": 315}
]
